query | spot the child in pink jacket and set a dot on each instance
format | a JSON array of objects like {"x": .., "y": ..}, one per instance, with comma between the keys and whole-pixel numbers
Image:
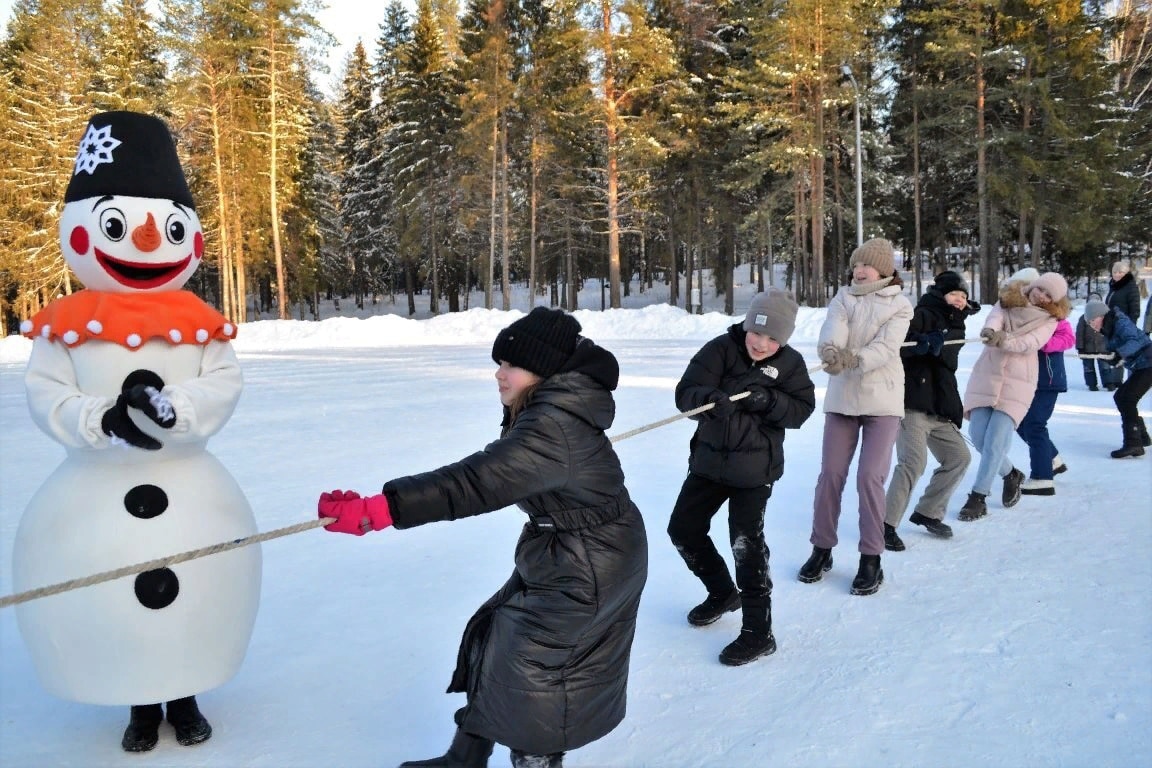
[
  {"x": 1052, "y": 380},
  {"x": 1003, "y": 381}
]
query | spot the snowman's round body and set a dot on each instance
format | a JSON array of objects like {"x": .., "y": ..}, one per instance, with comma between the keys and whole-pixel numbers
[{"x": 169, "y": 632}]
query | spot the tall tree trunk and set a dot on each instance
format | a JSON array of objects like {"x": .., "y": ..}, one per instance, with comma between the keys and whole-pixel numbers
[
  {"x": 611, "y": 150},
  {"x": 506, "y": 282},
  {"x": 273, "y": 193}
]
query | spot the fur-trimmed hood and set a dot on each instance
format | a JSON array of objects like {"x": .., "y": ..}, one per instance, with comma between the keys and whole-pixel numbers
[{"x": 1012, "y": 295}]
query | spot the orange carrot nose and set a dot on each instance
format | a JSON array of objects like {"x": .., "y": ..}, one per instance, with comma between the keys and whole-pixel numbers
[{"x": 146, "y": 237}]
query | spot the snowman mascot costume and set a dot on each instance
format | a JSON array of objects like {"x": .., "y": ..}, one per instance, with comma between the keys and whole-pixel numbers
[{"x": 132, "y": 376}]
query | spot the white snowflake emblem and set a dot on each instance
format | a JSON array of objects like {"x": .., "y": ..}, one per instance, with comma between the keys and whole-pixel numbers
[{"x": 95, "y": 148}]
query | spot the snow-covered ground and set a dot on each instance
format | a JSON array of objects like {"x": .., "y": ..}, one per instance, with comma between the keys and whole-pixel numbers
[{"x": 1023, "y": 641}]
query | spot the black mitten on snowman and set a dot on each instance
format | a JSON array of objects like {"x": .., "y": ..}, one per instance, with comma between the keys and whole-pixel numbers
[{"x": 141, "y": 390}]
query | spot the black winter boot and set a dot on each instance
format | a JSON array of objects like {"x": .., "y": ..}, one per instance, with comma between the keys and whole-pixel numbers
[
  {"x": 892, "y": 540},
  {"x": 143, "y": 729},
  {"x": 1011, "y": 492},
  {"x": 191, "y": 727},
  {"x": 934, "y": 526},
  {"x": 1145, "y": 439},
  {"x": 755, "y": 639},
  {"x": 467, "y": 751},
  {"x": 973, "y": 509},
  {"x": 819, "y": 563},
  {"x": 1133, "y": 442},
  {"x": 525, "y": 760},
  {"x": 869, "y": 577},
  {"x": 713, "y": 607}
]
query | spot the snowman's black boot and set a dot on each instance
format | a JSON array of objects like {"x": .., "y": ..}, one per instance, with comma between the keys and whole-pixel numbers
[
  {"x": 143, "y": 729},
  {"x": 191, "y": 726}
]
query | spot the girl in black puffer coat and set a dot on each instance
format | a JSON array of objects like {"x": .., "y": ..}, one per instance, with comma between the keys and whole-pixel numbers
[
  {"x": 544, "y": 662},
  {"x": 1123, "y": 294}
]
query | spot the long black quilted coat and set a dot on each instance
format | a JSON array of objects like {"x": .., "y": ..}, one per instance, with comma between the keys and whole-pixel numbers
[
  {"x": 745, "y": 450},
  {"x": 545, "y": 660},
  {"x": 930, "y": 380}
]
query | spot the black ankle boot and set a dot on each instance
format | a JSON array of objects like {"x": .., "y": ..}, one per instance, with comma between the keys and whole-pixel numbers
[
  {"x": 819, "y": 563},
  {"x": 975, "y": 508},
  {"x": 143, "y": 729},
  {"x": 191, "y": 727},
  {"x": 467, "y": 751},
  {"x": 892, "y": 540},
  {"x": 713, "y": 607},
  {"x": 1133, "y": 443},
  {"x": 869, "y": 577},
  {"x": 1011, "y": 493}
]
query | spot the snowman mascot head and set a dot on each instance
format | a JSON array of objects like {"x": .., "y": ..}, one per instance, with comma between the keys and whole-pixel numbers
[{"x": 129, "y": 223}]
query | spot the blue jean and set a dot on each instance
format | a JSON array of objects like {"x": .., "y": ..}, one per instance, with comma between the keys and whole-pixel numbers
[
  {"x": 1033, "y": 430},
  {"x": 991, "y": 433}
]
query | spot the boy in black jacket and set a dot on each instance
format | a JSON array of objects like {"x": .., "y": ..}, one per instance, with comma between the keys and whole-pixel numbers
[
  {"x": 736, "y": 454},
  {"x": 933, "y": 411}
]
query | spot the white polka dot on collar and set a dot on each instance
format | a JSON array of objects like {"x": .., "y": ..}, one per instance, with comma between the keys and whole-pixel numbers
[
  {"x": 201, "y": 335},
  {"x": 175, "y": 335},
  {"x": 133, "y": 340},
  {"x": 70, "y": 337},
  {"x": 26, "y": 326},
  {"x": 229, "y": 330},
  {"x": 95, "y": 326},
  {"x": 46, "y": 331}
]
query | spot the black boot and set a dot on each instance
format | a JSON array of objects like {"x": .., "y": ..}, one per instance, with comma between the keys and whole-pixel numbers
[
  {"x": 819, "y": 562},
  {"x": 1145, "y": 440},
  {"x": 869, "y": 577},
  {"x": 934, "y": 526},
  {"x": 467, "y": 751},
  {"x": 755, "y": 639},
  {"x": 892, "y": 540},
  {"x": 713, "y": 607},
  {"x": 1133, "y": 442},
  {"x": 143, "y": 729},
  {"x": 525, "y": 760},
  {"x": 190, "y": 726},
  {"x": 973, "y": 509},
  {"x": 1011, "y": 493}
]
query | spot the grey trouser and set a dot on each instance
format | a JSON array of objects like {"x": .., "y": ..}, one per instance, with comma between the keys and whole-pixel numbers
[{"x": 920, "y": 433}]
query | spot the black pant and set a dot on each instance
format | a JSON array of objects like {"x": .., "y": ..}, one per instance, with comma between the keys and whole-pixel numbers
[
  {"x": 1128, "y": 396},
  {"x": 698, "y": 503}
]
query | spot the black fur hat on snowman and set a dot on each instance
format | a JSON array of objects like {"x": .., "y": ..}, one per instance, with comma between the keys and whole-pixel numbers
[{"x": 131, "y": 154}]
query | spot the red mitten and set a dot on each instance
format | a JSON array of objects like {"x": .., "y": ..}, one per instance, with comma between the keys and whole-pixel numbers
[{"x": 354, "y": 514}]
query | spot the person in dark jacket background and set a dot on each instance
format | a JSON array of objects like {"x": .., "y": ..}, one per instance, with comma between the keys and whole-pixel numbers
[
  {"x": 735, "y": 455},
  {"x": 544, "y": 662},
  {"x": 1123, "y": 294},
  {"x": 1090, "y": 343},
  {"x": 933, "y": 412},
  {"x": 1133, "y": 349}
]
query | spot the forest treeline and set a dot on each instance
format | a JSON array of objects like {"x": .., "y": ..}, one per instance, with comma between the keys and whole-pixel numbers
[{"x": 548, "y": 142}]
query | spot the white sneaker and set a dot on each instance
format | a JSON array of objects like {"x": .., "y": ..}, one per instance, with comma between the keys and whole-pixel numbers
[
  {"x": 1058, "y": 465},
  {"x": 1033, "y": 487}
]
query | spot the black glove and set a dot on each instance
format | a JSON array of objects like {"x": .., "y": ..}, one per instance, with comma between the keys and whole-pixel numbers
[
  {"x": 155, "y": 406},
  {"x": 1116, "y": 361},
  {"x": 722, "y": 405},
  {"x": 758, "y": 400},
  {"x": 935, "y": 341},
  {"x": 117, "y": 423}
]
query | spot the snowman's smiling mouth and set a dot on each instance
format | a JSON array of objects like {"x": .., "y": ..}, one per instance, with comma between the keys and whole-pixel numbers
[{"x": 140, "y": 276}]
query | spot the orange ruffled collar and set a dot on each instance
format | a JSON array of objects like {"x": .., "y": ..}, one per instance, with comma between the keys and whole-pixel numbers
[{"x": 129, "y": 319}]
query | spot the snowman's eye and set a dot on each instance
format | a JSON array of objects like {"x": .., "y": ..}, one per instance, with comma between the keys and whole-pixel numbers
[
  {"x": 113, "y": 224},
  {"x": 175, "y": 229}
]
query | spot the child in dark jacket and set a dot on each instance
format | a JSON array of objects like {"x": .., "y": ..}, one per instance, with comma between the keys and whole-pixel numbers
[
  {"x": 1133, "y": 349},
  {"x": 1090, "y": 343},
  {"x": 933, "y": 413},
  {"x": 735, "y": 455},
  {"x": 544, "y": 662}
]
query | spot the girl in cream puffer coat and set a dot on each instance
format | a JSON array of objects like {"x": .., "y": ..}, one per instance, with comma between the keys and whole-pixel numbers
[
  {"x": 859, "y": 345},
  {"x": 1003, "y": 380}
]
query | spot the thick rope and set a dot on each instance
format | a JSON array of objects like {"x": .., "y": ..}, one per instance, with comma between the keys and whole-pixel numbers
[{"x": 193, "y": 554}]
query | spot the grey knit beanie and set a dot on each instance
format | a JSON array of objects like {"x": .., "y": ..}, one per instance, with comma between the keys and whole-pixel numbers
[
  {"x": 772, "y": 313},
  {"x": 877, "y": 253}
]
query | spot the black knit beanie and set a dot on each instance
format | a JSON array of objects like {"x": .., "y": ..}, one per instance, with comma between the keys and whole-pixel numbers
[
  {"x": 540, "y": 342},
  {"x": 949, "y": 281}
]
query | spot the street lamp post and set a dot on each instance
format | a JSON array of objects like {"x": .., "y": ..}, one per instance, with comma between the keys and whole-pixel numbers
[{"x": 847, "y": 70}]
